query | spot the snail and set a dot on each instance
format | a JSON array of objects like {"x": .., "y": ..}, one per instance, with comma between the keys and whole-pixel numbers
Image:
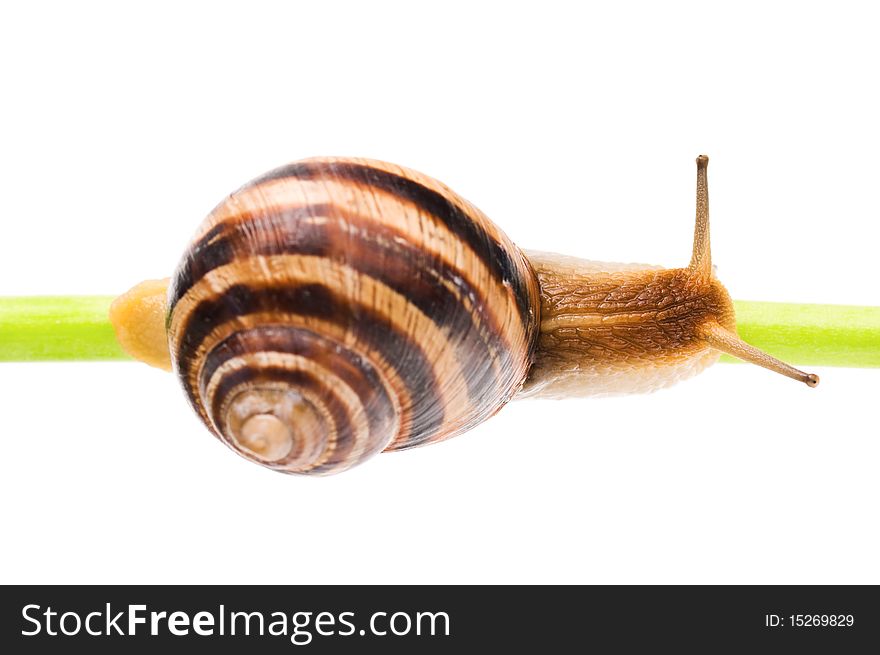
[{"x": 334, "y": 308}]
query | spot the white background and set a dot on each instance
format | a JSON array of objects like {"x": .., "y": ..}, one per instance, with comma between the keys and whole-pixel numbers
[{"x": 575, "y": 128}]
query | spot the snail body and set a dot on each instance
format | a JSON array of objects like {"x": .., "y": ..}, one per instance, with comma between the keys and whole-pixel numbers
[
  {"x": 334, "y": 308},
  {"x": 610, "y": 328}
]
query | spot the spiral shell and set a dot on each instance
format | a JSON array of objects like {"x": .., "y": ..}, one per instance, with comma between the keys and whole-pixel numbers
[{"x": 333, "y": 308}]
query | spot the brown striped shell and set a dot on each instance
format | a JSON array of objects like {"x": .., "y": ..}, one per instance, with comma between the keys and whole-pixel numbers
[{"x": 334, "y": 308}]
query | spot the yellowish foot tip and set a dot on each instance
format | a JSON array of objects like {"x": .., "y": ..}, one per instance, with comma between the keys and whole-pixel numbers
[{"x": 138, "y": 317}]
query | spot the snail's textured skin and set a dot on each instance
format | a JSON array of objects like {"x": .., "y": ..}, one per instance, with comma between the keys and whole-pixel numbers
[
  {"x": 610, "y": 328},
  {"x": 333, "y": 308}
]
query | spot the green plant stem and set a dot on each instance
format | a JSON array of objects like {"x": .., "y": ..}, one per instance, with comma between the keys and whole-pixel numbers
[
  {"x": 57, "y": 328},
  {"x": 811, "y": 335},
  {"x": 76, "y": 328}
]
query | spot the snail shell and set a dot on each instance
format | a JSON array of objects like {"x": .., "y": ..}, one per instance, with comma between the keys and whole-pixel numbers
[{"x": 334, "y": 308}]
